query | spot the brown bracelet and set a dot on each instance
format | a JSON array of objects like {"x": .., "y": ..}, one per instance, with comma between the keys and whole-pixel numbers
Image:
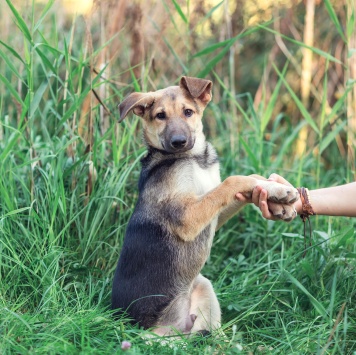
[{"x": 307, "y": 209}]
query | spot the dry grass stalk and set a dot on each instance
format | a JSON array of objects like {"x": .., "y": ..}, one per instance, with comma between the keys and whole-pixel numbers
[
  {"x": 351, "y": 104},
  {"x": 111, "y": 17},
  {"x": 307, "y": 64},
  {"x": 134, "y": 13},
  {"x": 336, "y": 323}
]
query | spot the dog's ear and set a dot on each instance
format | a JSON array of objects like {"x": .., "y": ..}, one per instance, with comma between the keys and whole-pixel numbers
[
  {"x": 198, "y": 88},
  {"x": 138, "y": 102}
]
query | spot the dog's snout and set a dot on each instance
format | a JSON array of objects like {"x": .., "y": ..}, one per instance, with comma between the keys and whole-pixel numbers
[{"x": 178, "y": 141}]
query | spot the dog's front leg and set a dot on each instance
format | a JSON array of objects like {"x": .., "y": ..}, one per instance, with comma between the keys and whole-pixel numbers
[
  {"x": 198, "y": 213},
  {"x": 229, "y": 211}
]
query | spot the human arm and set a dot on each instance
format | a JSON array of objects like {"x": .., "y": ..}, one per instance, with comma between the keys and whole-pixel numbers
[
  {"x": 331, "y": 201},
  {"x": 334, "y": 201}
]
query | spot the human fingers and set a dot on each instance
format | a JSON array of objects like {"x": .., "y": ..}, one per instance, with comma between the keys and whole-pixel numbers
[
  {"x": 263, "y": 206},
  {"x": 256, "y": 192},
  {"x": 240, "y": 197}
]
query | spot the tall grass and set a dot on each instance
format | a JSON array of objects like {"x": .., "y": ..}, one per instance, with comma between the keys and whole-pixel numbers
[{"x": 68, "y": 186}]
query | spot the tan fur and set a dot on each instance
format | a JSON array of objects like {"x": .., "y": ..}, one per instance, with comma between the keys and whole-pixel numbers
[{"x": 189, "y": 200}]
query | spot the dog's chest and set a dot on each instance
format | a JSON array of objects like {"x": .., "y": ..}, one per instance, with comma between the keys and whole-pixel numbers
[{"x": 205, "y": 179}]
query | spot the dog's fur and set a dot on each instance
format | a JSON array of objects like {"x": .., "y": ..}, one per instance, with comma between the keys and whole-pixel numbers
[{"x": 181, "y": 204}]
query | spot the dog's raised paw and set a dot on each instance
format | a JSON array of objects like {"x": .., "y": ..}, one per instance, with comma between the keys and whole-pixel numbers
[
  {"x": 282, "y": 211},
  {"x": 279, "y": 193}
]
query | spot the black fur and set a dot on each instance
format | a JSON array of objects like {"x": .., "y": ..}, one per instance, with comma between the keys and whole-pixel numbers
[{"x": 150, "y": 271}]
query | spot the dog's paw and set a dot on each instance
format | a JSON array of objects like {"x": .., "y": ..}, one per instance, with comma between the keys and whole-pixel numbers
[
  {"x": 279, "y": 193},
  {"x": 281, "y": 211}
]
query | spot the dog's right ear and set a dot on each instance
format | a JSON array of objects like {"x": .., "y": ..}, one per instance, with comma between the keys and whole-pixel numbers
[{"x": 138, "y": 102}]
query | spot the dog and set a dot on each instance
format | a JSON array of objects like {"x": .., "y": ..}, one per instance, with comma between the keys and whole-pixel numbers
[{"x": 181, "y": 203}]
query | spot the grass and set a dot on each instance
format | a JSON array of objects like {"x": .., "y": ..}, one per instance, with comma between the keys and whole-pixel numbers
[{"x": 62, "y": 224}]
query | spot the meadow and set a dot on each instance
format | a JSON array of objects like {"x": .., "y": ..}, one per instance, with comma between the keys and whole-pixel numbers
[{"x": 69, "y": 171}]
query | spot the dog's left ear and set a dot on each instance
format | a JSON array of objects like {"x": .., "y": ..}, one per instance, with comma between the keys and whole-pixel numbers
[{"x": 198, "y": 88}]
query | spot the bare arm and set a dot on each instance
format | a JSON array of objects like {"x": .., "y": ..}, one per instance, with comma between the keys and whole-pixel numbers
[
  {"x": 331, "y": 201},
  {"x": 334, "y": 201}
]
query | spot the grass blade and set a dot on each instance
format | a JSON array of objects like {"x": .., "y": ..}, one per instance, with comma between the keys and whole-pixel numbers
[
  {"x": 317, "y": 305},
  {"x": 331, "y": 136},
  {"x": 299, "y": 104},
  {"x": 211, "y": 48},
  {"x": 215, "y": 46},
  {"x": 272, "y": 102},
  {"x": 180, "y": 11},
  {"x": 250, "y": 153},
  {"x": 45, "y": 11},
  {"x": 334, "y": 19},
  {"x": 302, "y": 44},
  {"x": 210, "y": 13},
  {"x": 10, "y": 65},
  {"x": 12, "y": 90},
  {"x": 212, "y": 63},
  {"x": 20, "y": 23},
  {"x": 37, "y": 97},
  {"x": 13, "y": 52}
]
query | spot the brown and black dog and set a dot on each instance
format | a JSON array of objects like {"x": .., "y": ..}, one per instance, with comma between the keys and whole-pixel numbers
[{"x": 181, "y": 203}]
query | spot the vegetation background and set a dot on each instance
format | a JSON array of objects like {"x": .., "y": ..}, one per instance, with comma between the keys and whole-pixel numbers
[{"x": 283, "y": 101}]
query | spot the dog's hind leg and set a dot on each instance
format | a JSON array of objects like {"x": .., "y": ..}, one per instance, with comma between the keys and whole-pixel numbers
[{"x": 204, "y": 305}]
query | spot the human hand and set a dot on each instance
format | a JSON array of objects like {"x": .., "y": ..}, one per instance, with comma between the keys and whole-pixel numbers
[{"x": 259, "y": 198}]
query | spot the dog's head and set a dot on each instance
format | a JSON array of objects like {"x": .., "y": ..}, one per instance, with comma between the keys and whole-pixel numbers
[{"x": 171, "y": 116}]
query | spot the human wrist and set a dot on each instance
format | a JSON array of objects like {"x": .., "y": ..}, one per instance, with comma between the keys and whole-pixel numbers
[{"x": 298, "y": 206}]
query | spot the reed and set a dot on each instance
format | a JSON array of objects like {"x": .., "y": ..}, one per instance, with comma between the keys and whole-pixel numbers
[{"x": 68, "y": 171}]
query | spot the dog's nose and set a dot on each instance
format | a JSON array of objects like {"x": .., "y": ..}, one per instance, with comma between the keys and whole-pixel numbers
[{"x": 178, "y": 141}]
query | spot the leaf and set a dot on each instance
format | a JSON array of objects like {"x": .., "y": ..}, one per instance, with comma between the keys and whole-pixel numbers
[
  {"x": 37, "y": 97},
  {"x": 292, "y": 235},
  {"x": 43, "y": 14},
  {"x": 179, "y": 10},
  {"x": 317, "y": 305},
  {"x": 10, "y": 143},
  {"x": 302, "y": 44},
  {"x": 11, "y": 89},
  {"x": 215, "y": 46},
  {"x": 211, "y": 48},
  {"x": 250, "y": 153},
  {"x": 334, "y": 19},
  {"x": 16, "y": 211},
  {"x": 13, "y": 52},
  {"x": 233, "y": 99},
  {"x": 346, "y": 239},
  {"x": 272, "y": 103},
  {"x": 20, "y": 23},
  {"x": 299, "y": 104},
  {"x": 283, "y": 149},
  {"x": 209, "y": 14},
  {"x": 331, "y": 136},
  {"x": 135, "y": 82},
  {"x": 338, "y": 105},
  {"x": 211, "y": 64},
  {"x": 10, "y": 64},
  {"x": 351, "y": 24},
  {"x": 185, "y": 69},
  {"x": 45, "y": 60}
]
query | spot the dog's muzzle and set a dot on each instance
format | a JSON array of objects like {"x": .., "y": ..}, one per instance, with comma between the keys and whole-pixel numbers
[{"x": 178, "y": 141}]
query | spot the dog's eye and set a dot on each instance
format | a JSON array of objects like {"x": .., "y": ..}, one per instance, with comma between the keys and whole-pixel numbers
[
  {"x": 161, "y": 115},
  {"x": 188, "y": 112}
]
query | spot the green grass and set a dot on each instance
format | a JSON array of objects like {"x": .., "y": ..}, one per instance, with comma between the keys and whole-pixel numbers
[{"x": 59, "y": 246}]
